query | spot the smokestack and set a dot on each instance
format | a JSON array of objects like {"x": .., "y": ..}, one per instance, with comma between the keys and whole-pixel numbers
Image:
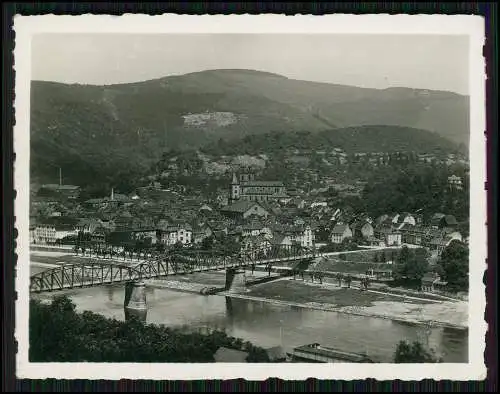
[
  {"x": 112, "y": 194},
  {"x": 60, "y": 176}
]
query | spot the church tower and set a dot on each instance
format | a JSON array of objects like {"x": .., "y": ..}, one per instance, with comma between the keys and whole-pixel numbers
[{"x": 235, "y": 188}]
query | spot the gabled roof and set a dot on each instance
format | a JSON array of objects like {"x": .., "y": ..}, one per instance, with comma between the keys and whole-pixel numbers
[
  {"x": 387, "y": 230},
  {"x": 55, "y": 186},
  {"x": 253, "y": 225},
  {"x": 278, "y": 239},
  {"x": 340, "y": 229},
  {"x": 264, "y": 183},
  {"x": 450, "y": 220},
  {"x": 241, "y": 206}
]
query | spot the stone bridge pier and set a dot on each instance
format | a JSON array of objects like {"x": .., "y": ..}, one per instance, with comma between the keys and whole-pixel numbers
[
  {"x": 235, "y": 280},
  {"x": 135, "y": 304}
]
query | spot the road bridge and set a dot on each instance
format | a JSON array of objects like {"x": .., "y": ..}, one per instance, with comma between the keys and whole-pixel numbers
[{"x": 96, "y": 271}]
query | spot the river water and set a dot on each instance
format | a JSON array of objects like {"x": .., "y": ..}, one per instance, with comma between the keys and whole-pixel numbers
[{"x": 268, "y": 325}]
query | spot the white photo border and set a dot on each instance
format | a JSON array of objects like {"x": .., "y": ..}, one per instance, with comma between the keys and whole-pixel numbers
[{"x": 472, "y": 26}]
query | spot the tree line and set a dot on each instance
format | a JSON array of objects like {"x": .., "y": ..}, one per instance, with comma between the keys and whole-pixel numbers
[{"x": 57, "y": 333}]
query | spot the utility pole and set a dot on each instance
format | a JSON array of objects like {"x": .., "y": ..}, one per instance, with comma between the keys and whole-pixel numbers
[{"x": 60, "y": 176}]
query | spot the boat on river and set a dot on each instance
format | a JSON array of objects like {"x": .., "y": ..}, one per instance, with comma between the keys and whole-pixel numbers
[{"x": 317, "y": 353}]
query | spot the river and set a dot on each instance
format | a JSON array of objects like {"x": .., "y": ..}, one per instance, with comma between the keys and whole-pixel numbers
[{"x": 268, "y": 325}]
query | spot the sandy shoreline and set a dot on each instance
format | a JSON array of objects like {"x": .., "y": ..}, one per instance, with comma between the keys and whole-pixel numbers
[{"x": 382, "y": 311}]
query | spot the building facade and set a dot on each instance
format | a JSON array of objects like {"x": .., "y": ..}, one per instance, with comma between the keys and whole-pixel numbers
[
  {"x": 245, "y": 187},
  {"x": 339, "y": 233},
  {"x": 172, "y": 235}
]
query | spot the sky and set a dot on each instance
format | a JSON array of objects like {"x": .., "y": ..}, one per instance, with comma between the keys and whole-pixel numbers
[{"x": 437, "y": 62}]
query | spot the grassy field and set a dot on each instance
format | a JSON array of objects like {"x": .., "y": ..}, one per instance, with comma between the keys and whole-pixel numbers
[
  {"x": 364, "y": 256},
  {"x": 69, "y": 258},
  {"x": 296, "y": 291},
  {"x": 347, "y": 267}
]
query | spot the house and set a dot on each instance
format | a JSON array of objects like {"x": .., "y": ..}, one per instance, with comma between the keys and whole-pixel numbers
[
  {"x": 404, "y": 219},
  {"x": 372, "y": 241},
  {"x": 339, "y": 233},
  {"x": 302, "y": 235},
  {"x": 148, "y": 235},
  {"x": 282, "y": 240},
  {"x": 218, "y": 226},
  {"x": 297, "y": 202},
  {"x": 205, "y": 208},
  {"x": 317, "y": 204},
  {"x": 52, "y": 233},
  {"x": 32, "y": 228},
  {"x": 254, "y": 228},
  {"x": 389, "y": 235},
  {"x": 432, "y": 282},
  {"x": 54, "y": 229},
  {"x": 255, "y": 246},
  {"x": 71, "y": 192},
  {"x": 436, "y": 220},
  {"x": 448, "y": 221},
  {"x": 87, "y": 226},
  {"x": 99, "y": 235},
  {"x": 362, "y": 229},
  {"x": 441, "y": 242},
  {"x": 179, "y": 233},
  {"x": 455, "y": 182},
  {"x": 226, "y": 355},
  {"x": 200, "y": 233},
  {"x": 244, "y": 209},
  {"x": 412, "y": 235}
]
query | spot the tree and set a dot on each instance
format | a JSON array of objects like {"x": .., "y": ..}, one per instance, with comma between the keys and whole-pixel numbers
[
  {"x": 375, "y": 257},
  {"x": 207, "y": 243},
  {"x": 418, "y": 264},
  {"x": 413, "y": 353},
  {"x": 454, "y": 265},
  {"x": 319, "y": 275},
  {"x": 59, "y": 334},
  {"x": 339, "y": 278},
  {"x": 348, "y": 281}
]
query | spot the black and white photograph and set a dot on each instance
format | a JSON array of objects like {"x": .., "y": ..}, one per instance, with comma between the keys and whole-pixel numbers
[{"x": 213, "y": 198}]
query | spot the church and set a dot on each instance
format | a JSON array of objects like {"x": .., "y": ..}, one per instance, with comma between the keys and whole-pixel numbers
[{"x": 246, "y": 188}]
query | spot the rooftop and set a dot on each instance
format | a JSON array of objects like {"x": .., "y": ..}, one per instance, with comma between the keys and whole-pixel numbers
[
  {"x": 240, "y": 206},
  {"x": 317, "y": 349},
  {"x": 55, "y": 186},
  {"x": 339, "y": 228},
  {"x": 264, "y": 183}
]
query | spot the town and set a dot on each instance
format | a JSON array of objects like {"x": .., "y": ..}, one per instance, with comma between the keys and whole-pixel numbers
[{"x": 248, "y": 216}]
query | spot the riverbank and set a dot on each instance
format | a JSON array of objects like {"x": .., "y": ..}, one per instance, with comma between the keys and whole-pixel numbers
[
  {"x": 351, "y": 310},
  {"x": 370, "y": 303}
]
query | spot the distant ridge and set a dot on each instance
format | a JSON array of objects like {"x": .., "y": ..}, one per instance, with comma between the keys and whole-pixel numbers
[{"x": 98, "y": 129}]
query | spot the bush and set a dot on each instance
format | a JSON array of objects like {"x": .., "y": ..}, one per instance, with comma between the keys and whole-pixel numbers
[
  {"x": 59, "y": 334},
  {"x": 414, "y": 353}
]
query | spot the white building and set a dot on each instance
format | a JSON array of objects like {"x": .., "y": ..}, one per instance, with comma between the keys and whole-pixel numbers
[{"x": 174, "y": 234}]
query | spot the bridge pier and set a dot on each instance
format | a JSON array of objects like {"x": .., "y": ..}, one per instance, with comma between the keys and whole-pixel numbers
[
  {"x": 135, "y": 301},
  {"x": 235, "y": 280}
]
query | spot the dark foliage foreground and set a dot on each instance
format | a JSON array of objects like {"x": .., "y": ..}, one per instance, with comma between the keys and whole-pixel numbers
[{"x": 59, "y": 334}]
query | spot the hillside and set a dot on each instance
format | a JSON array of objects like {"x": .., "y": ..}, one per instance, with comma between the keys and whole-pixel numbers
[
  {"x": 362, "y": 139},
  {"x": 115, "y": 130}
]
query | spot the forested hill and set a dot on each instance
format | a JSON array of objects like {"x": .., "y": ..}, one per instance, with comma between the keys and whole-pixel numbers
[
  {"x": 363, "y": 139},
  {"x": 111, "y": 131}
]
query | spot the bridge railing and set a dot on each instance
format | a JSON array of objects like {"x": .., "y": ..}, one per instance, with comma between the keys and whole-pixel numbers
[{"x": 98, "y": 272}]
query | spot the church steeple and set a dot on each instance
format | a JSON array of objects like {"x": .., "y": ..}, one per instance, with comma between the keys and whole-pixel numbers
[{"x": 235, "y": 188}]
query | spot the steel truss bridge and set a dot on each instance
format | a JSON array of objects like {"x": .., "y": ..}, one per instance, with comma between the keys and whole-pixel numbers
[{"x": 98, "y": 271}]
